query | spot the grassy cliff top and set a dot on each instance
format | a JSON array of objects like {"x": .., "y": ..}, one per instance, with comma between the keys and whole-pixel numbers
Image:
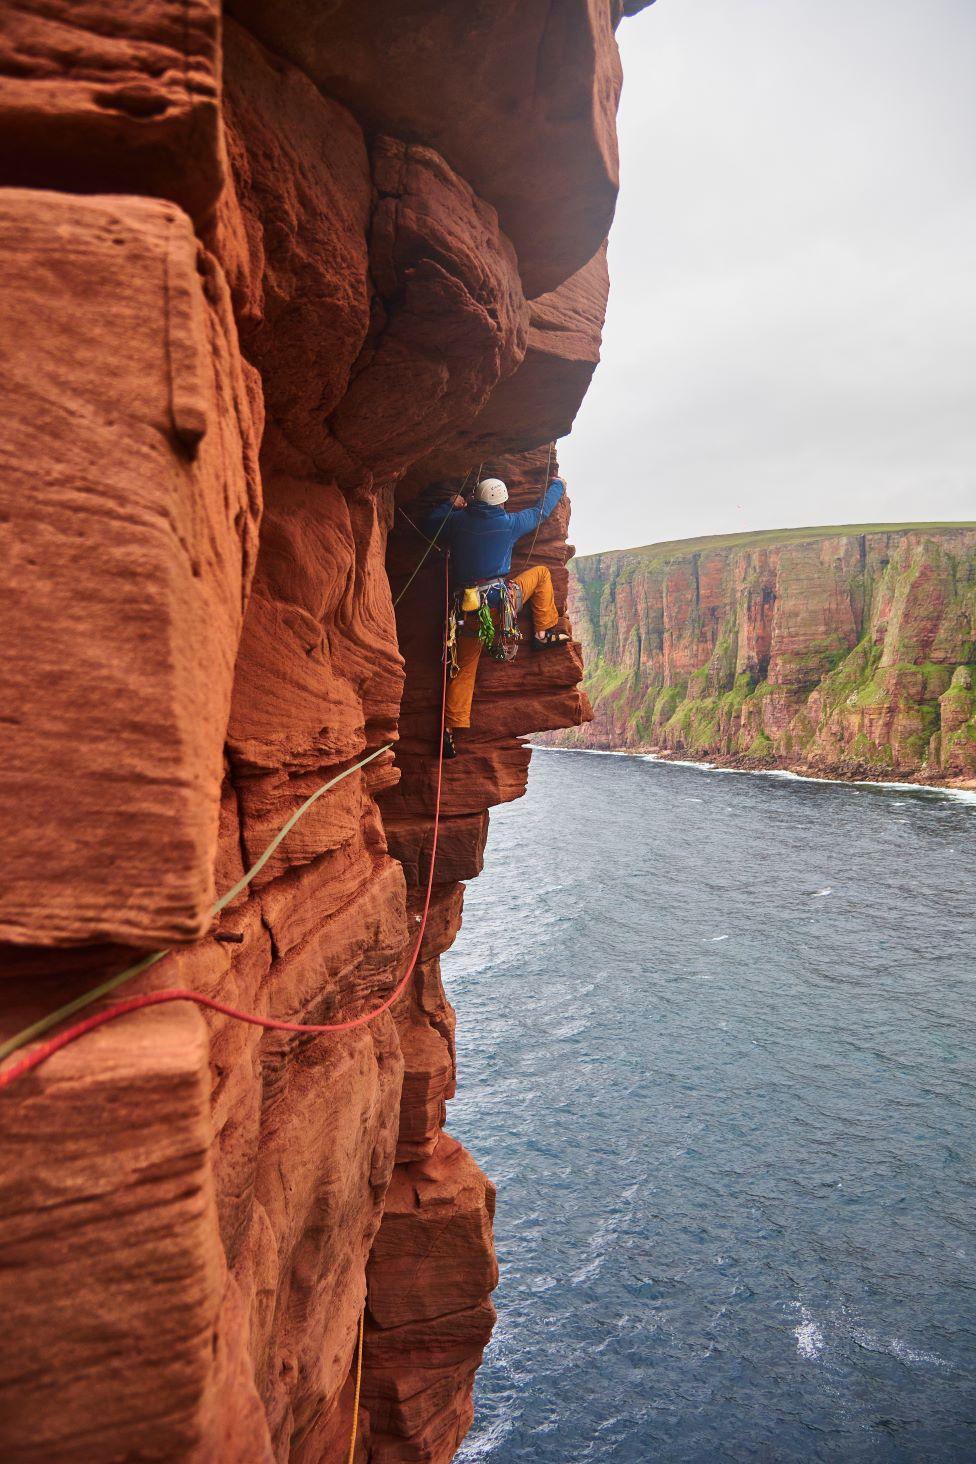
[{"x": 681, "y": 548}]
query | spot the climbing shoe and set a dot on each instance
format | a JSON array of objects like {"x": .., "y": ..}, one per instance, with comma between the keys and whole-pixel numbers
[
  {"x": 548, "y": 639},
  {"x": 449, "y": 750}
]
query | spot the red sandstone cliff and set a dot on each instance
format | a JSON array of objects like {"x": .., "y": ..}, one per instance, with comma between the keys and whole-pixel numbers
[
  {"x": 831, "y": 650},
  {"x": 267, "y": 275}
]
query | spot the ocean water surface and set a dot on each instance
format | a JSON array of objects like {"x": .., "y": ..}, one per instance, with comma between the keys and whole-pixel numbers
[{"x": 716, "y": 1049}]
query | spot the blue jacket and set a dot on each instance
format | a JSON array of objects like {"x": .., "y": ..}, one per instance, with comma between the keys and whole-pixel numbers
[{"x": 482, "y": 536}]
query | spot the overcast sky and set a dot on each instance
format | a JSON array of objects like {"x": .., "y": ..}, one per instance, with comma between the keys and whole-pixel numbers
[{"x": 792, "y": 329}]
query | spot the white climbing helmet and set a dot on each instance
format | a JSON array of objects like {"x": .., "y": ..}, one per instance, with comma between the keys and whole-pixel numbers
[{"x": 491, "y": 490}]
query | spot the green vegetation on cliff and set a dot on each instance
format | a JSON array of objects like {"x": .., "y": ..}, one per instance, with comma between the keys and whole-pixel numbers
[
  {"x": 669, "y": 549},
  {"x": 837, "y": 648}
]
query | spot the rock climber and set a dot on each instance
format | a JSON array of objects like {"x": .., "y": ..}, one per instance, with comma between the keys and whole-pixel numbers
[{"x": 480, "y": 536}]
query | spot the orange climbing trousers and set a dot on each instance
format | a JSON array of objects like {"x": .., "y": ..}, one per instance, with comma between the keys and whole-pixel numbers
[{"x": 536, "y": 587}]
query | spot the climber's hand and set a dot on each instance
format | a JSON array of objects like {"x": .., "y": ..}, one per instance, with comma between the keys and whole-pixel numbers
[{"x": 459, "y": 502}]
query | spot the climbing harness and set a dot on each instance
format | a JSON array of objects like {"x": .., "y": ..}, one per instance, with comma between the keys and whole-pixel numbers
[
  {"x": 71, "y": 1034},
  {"x": 489, "y": 611}
]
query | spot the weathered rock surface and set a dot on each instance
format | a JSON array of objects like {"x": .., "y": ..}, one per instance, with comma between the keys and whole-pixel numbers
[
  {"x": 519, "y": 96},
  {"x": 267, "y": 276},
  {"x": 102, "y": 97},
  {"x": 832, "y": 650},
  {"x": 110, "y": 1251},
  {"x": 544, "y": 392},
  {"x": 425, "y": 1338},
  {"x": 130, "y": 503},
  {"x": 292, "y": 229}
]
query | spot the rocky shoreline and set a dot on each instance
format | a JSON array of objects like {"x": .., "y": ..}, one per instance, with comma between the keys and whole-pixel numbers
[
  {"x": 742, "y": 764},
  {"x": 856, "y": 774}
]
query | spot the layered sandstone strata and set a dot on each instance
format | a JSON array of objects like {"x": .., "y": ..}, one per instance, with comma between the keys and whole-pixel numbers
[
  {"x": 268, "y": 275},
  {"x": 838, "y": 651}
]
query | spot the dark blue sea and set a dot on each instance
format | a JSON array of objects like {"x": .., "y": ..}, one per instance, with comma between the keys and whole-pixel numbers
[{"x": 716, "y": 1049}]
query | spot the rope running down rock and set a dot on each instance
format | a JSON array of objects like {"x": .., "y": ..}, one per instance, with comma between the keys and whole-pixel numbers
[
  {"x": 431, "y": 543},
  {"x": 47, "y": 1049},
  {"x": 359, "y": 1381}
]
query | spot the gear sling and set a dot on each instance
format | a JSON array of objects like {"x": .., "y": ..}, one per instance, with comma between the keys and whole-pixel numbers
[{"x": 483, "y": 616}]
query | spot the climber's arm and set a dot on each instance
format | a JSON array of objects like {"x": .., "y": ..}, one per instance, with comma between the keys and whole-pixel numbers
[
  {"x": 433, "y": 524},
  {"x": 529, "y": 518}
]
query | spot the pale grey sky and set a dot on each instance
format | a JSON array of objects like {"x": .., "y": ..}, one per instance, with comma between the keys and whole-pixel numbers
[{"x": 792, "y": 329}]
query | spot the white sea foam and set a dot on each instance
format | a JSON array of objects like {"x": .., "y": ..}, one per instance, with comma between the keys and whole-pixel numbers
[
  {"x": 895, "y": 1347},
  {"x": 680, "y": 762},
  {"x": 963, "y": 795},
  {"x": 587, "y": 1272},
  {"x": 819, "y": 894},
  {"x": 485, "y": 1443},
  {"x": 809, "y": 1338},
  {"x": 904, "y": 1353},
  {"x": 714, "y": 939}
]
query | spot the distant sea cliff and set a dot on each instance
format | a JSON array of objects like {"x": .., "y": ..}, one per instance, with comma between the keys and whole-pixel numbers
[{"x": 846, "y": 651}]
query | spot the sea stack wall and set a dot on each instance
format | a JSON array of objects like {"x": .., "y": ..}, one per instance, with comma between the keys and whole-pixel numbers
[
  {"x": 838, "y": 651},
  {"x": 269, "y": 273}
]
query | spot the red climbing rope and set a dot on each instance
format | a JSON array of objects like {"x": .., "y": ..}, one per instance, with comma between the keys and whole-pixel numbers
[{"x": 71, "y": 1034}]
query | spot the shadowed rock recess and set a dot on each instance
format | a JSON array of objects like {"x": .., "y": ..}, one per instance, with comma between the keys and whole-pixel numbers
[
  {"x": 267, "y": 275},
  {"x": 841, "y": 651}
]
